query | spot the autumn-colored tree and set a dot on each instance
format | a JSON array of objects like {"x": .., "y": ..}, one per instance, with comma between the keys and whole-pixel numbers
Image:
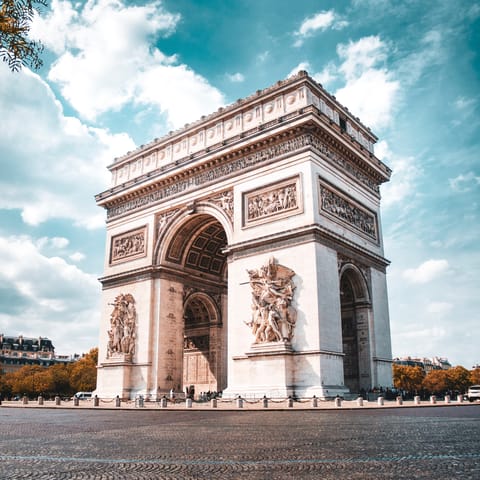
[
  {"x": 30, "y": 380},
  {"x": 458, "y": 379},
  {"x": 436, "y": 382},
  {"x": 15, "y": 47},
  {"x": 83, "y": 377},
  {"x": 407, "y": 378},
  {"x": 60, "y": 380},
  {"x": 475, "y": 376}
]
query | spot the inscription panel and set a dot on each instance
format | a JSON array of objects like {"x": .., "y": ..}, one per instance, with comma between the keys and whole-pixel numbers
[
  {"x": 272, "y": 202},
  {"x": 128, "y": 246},
  {"x": 344, "y": 209}
]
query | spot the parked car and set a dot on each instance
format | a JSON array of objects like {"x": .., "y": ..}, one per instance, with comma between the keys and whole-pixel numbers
[
  {"x": 473, "y": 393},
  {"x": 83, "y": 395}
]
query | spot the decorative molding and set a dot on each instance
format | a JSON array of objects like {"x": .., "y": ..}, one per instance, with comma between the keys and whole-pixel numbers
[
  {"x": 225, "y": 166},
  {"x": 341, "y": 208},
  {"x": 272, "y": 202},
  {"x": 128, "y": 246}
]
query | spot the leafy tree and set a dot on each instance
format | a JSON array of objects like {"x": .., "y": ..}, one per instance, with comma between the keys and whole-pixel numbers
[
  {"x": 30, "y": 380},
  {"x": 475, "y": 376},
  {"x": 458, "y": 379},
  {"x": 84, "y": 372},
  {"x": 60, "y": 380},
  {"x": 436, "y": 381},
  {"x": 16, "y": 48},
  {"x": 408, "y": 378}
]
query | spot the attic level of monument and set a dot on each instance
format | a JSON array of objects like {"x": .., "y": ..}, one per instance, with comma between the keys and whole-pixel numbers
[{"x": 256, "y": 109}]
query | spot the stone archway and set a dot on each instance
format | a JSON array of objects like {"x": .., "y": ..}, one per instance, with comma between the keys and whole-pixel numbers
[
  {"x": 202, "y": 348},
  {"x": 197, "y": 265},
  {"x": 355, "y": 314}
]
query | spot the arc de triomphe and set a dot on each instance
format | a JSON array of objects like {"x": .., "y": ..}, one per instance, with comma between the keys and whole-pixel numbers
[{"x": 244, "y": 254}]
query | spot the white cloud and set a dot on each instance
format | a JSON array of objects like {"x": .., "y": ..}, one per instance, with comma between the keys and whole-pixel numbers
[
  {"x": 301, "y": 66},
  {"x": 464, "y": 182},
  {"x": 77, "y": 257},
  {"x": 439, "y": 308},
  {"x": 427, "y": 271},
  {"x": 57, "y": 172},
  {"x": 327, "y": 75},
  {"x": 236, "y": 77},
  {"x": 318, "y": 22},
  {"x": 370, "y": 91},
  {"x": 406, "y": 174},
  {"x": 106, "y": 61},
  {"x": 41, "y": 294}
]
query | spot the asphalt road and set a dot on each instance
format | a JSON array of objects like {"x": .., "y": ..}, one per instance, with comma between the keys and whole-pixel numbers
[{"x": 412, "y": 443}]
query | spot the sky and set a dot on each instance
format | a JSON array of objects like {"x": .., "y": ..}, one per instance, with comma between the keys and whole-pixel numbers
[{"x": 118, "y": 74}]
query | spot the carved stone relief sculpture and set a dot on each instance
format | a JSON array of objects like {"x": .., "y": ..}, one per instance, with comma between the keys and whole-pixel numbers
[
  {"x": 128, "y": 246},
  {"x": 273, "y": 317},
  {"x": 225, "y": 202},
  {"x": 280, "y": 199},
  {"x": 348, "y": 212},
  {"x": 123, "y": 323}
]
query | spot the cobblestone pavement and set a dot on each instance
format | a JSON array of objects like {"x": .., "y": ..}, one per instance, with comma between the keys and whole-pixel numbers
[{"x": 441, "y": 442}]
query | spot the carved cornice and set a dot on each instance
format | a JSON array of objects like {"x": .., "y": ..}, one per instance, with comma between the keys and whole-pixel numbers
[
  {"x": 308, "y": 234},
  {"x": 243, "y": 159}
]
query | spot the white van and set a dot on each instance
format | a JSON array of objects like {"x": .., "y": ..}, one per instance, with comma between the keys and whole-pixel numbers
[
  {"x": 474, "y": 393},
  {"x": 83, "y": 395}
]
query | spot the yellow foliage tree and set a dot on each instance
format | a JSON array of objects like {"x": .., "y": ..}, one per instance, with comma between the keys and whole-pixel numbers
[
  {"x": 15, "y": 47},
  {"x": 408, "y": 378}
]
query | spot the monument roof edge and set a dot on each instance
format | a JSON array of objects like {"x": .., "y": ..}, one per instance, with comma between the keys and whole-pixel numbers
[{"x": 301, "y": 77}]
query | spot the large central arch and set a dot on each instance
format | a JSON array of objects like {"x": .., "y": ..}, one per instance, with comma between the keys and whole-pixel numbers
[{"x": 193, "y": 258}]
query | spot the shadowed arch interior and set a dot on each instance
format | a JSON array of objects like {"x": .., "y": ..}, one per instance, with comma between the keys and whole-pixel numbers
[{"x": 198, "y": 245}]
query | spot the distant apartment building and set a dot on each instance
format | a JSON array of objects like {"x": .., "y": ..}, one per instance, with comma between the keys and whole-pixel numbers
[
  {"x": 18, "y": 351},
  {"x": 426, "y": 364}
]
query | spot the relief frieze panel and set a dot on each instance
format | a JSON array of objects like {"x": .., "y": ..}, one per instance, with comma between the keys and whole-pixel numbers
[
  {"x": 241, "y": 163},
  {"x": 225, "y": 201},
  {"x": 271, "y": 202},
  {"x": 128, "y": 246},
  {"x": 348, "y": 212}
]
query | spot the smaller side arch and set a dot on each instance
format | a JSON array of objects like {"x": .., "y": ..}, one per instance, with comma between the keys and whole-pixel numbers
[{"x": 357, "y": 281}]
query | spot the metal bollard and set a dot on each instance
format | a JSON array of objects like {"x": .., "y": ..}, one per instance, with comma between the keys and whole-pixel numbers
[
  {"x": 433, "y": 399},
  {"x": 447, "y": 398},
  {"x": 96, "y": 401},
  {"x": 188, "y": 403},
  {"x": 460, "y": 398},
  {"x": 416, "y": 400},
  {"x": 399, "y": 400},
  {"x": 213, "y": 403},
  {"x": 76, "y": 401},
  {"x": 314, "y": 402},
  {"x": 141, "y": 401},
  {"x": 40, "y": 400},
  {"x": 380, "y": 401},
  {"x": 163, "y": 402},
  {"x": 25, "y": 400},
  {"x": 338, "y": 402},
  {"x": 239, "y": 402},
  {"x": 265, "y": 402},
  {"x": 360, "y": 401},
  {"x": 290, "y": 402},
  {"x": 118, "y": 402}
]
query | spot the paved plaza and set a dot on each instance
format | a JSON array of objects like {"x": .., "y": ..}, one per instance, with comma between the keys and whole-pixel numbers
[{"x": 426, "y": 442}]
